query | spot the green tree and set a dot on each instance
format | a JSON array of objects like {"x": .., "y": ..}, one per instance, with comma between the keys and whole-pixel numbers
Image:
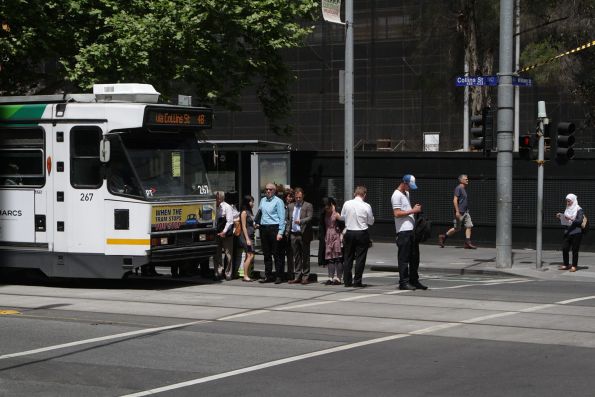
[
  {"x": 469, "y": 28},
  {"x": 553, "y": 28},
  {"x": 214, "y": 49}
]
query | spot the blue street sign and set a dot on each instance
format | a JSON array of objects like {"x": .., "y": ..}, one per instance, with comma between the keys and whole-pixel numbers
[
  {"x": 522, "y": 81},
  {"x": 462, "y": 81}
]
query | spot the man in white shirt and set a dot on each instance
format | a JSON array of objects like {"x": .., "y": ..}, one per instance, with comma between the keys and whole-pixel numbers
[
  {"x": 408, "y": 256},
  {"x": 224, "y": 238},
  {"x": 358, "y": 216}
]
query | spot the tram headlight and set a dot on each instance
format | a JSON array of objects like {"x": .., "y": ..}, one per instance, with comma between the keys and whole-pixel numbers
[{"x": 157, "y": 241}]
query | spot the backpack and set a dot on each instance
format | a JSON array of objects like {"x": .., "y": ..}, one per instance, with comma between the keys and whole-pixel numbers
[
  {"x": 585, "y": 224},
  {"x": 423, "y": 228}
]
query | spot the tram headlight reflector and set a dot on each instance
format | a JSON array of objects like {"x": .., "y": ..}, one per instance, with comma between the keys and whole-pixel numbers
[{"x": 157, "y": 241}]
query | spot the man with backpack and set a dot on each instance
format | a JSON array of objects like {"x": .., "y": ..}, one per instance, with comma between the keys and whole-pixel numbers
[{"x": 408, "y": 245}]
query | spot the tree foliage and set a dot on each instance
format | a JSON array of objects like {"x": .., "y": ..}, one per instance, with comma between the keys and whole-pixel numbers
[
  {"x": 470, "y": 29},
  {"x": 548, "y": 28},
  {"x": 213, "y": 49},
  {"x": 559, "y": 27}
]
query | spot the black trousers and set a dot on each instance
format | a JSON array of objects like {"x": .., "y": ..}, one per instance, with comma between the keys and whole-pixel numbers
[
  {"x": 268, "y": 239},
  {"x": 571, "y": 241},
  {"x": 355, "y": 244},
  {"x": 408, "y": 258}
]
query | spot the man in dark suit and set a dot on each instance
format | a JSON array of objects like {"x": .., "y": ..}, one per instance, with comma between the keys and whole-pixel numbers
[{"x": 299, "y": 229}]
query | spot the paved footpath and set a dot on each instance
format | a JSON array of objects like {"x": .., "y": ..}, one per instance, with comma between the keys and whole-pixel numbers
[{"x": 454, "y": 259}]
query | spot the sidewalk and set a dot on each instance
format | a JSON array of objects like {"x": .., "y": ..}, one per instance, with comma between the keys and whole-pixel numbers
[{"x": 454, "y": 259}]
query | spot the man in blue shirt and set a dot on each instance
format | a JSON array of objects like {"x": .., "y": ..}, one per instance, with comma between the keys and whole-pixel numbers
[{"x": 272, "y": 225}]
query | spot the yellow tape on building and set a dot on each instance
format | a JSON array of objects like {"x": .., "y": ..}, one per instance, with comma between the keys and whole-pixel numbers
[{"x": 574, "y": 50}]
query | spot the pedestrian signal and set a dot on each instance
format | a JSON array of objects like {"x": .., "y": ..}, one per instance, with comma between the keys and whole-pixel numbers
[{"x": 526, "y": 147}]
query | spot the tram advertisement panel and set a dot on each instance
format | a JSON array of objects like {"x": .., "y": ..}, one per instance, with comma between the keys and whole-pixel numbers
[
  {"x": 182, "y": 216},
  {"x": 17, "y": 209}
]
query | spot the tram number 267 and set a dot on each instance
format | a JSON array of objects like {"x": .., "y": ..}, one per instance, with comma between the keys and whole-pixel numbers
[{"x": 86, "y": 196}]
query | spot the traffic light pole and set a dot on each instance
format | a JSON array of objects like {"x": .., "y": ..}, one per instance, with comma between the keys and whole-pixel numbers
[
  {"x": 541, "y": 114},
  {"x": 504, "y": 183},
  {"x": 349, "y": 157}
]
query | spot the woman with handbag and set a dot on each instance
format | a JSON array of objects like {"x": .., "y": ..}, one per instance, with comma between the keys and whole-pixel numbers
[
  {"x": 572, "y": 220},
  {"x": 247, "y": 234}
]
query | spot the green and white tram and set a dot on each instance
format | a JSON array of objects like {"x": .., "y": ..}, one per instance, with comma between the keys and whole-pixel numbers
[{"x": 98, "y": 185}]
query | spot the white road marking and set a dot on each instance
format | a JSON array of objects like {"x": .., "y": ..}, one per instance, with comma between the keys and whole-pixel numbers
[
  {"x": 305, "y": 356},
  {"x": 576, "y": 300},
  {"x": 488, "y": 317},
  {"x": 269, "y": 364},
  {"x": 359, "y": 296},
  {"x": 246, "y": 314},
  {"x": 101, "y": 339},
  {"x": 536, "y": 308},
  {"x": 434, "y": 328},
  {"x": 397, "y": 292},
  {"x": 302, "y": 305},
  {"x": 289, "y": 359},
  {"x": 456, "y": 286}
]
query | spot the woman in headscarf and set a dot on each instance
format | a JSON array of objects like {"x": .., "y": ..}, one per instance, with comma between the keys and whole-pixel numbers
[{"x": 571, "y": 219}]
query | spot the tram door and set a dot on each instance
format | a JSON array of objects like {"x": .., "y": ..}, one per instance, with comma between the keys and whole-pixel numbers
[{"x": 77, "y": 202}]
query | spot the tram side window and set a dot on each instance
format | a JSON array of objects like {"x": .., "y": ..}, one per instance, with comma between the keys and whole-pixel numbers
[
  {"x": 85, "y": 171},
  {"x": 21, "y": 157}
]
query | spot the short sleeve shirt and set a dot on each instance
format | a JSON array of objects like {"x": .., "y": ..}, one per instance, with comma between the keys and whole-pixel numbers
[
  {"x": 461, "y": 195},
  {"x": 401, "y": 201}
]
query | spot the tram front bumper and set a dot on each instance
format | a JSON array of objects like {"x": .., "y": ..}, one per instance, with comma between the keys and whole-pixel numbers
[{"x": 177, "y": 254}]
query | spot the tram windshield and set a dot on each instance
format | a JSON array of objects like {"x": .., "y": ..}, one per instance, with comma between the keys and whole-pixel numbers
[{"x": 157, "y": 165}]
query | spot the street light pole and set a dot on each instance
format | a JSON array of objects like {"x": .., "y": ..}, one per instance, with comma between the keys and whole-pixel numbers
[
  {"x": 505, "y": 133},
  {"x": 466, "y": 113},
  {"x": 348, "y": 183},
  {"x": 542, "y": 116},
  {"x": 517, "y": 59}
]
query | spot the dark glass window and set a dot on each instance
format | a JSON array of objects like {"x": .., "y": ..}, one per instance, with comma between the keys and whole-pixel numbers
[
  {"x": 85, "y": 169},
  {"x": 121, "y": 176},
  {"x": 22, "y": 157}
]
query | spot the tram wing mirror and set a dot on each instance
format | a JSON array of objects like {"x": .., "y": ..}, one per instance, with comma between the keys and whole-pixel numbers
[{"x": 104, "y": 151}]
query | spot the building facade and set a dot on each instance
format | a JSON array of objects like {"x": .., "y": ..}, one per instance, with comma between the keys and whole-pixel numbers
[{"x": 404, "y": 86}]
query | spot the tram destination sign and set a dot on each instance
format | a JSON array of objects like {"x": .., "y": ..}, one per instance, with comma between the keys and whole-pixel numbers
[{"x": 168, "y": 117}]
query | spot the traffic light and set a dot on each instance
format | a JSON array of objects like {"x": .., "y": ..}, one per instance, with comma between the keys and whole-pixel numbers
[
  {"x": 565, "y": 142},
  {"x": 478, "y": 130},
  {"x": 526, "y": 147}
]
